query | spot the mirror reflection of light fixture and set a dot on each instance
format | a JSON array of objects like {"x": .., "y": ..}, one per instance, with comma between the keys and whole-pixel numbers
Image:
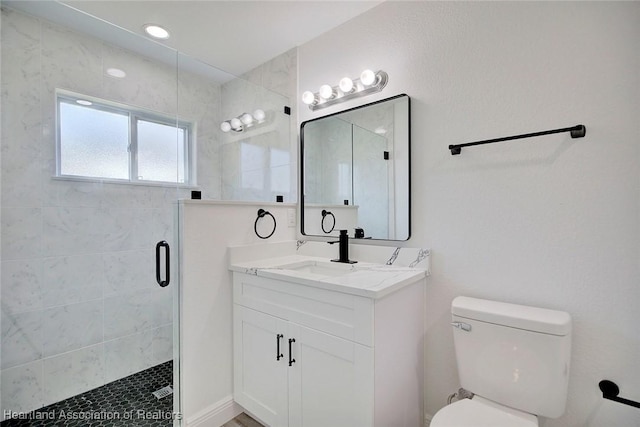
[
  {"x": 368, "y": 83},
  {"x": 259, "y": 115},
  {"x": 243, "y": 121}
]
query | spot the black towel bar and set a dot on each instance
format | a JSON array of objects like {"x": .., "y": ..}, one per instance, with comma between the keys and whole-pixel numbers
[
  {"x": 610, "y": 390},
  {"x": 577, "y": 131}
]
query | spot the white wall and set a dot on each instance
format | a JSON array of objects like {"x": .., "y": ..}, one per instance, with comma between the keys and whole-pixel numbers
[
  {"x": 550, "y": 222},
  {"x": 207, "y": 228}
]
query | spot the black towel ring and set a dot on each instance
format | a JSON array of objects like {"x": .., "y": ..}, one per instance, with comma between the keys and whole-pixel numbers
[
  {"x": 325, "y": 213},
  {"x": 261, "y": 214}
]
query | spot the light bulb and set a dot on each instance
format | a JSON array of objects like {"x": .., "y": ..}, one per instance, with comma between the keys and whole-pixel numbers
[
  {"x": 367, "y": 77},
  {"x": 225, "y": 126},
  {"x": 325, "y": 92},
  {"x": 308, "y": 97},
  {"x": 246, "y": 118},
  {"x": 346, "y": 85},
  {"x": 259, "y": 115},
  {"x": 236, "y": 123}
]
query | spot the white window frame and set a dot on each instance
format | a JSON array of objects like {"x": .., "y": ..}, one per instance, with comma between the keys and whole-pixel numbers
[{"x": 134, "y": 115}]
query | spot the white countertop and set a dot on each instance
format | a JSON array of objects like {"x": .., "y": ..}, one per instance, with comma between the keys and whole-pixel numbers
[{"x": 365, "y": 279}]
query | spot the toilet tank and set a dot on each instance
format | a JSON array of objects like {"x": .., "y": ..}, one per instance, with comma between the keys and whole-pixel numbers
[{"x": 515, "y": 355}]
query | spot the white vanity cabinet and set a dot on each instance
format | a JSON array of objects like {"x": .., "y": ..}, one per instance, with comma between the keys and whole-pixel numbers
[{"x": 305, "y": 356}]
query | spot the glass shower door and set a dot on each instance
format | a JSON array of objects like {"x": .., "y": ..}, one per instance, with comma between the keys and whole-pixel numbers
[
  {"x": 371, "y": 190},
  {"x": 94, "y": 157}
]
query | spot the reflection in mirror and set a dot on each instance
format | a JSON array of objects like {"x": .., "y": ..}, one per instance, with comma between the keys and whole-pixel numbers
[
  {"x": 255, "y": 146},
  {"x": 355, "y": 165}
]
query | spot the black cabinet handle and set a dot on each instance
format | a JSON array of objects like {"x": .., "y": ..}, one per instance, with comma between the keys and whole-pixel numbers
[
  {"x": 291, "y": 360},
  {"x": 163, "y": 244},
  {"x": 278, "y": 354}
]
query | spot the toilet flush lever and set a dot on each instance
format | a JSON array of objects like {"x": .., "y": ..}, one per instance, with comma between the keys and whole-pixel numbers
[{"x": 460, "y": 325}]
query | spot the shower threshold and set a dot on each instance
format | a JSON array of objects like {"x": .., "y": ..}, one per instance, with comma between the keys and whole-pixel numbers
[{"x": 126, "y": 402}]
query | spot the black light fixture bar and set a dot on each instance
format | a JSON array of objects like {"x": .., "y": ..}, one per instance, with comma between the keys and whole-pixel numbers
[{"x": 577, "y": 131}]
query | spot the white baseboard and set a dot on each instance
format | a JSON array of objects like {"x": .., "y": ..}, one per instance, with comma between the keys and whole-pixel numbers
[
  {"x": 216, "y": 414},
  {"x": 226, "y": 409}
]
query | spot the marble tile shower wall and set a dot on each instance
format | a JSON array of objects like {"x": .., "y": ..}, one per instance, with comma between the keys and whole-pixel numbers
[
  {"x": 260, "y": 163},
  {"x": 79, "y": 302}
]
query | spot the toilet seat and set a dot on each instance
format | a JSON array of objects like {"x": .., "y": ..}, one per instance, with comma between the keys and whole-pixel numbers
[{"x": 480, "y": 412}]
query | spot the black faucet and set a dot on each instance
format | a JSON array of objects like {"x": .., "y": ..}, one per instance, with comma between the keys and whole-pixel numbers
[{"x": 343, "y": 251}]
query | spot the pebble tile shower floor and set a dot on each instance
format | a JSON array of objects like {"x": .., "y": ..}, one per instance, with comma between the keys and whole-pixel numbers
[{"x": 129, "y": 402}]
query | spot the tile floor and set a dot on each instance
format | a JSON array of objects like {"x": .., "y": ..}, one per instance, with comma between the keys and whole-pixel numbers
[{"x": 127, "y": 402}]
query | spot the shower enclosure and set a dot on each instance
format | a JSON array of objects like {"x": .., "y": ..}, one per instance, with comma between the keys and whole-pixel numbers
[
  {"x": 93, "y": 157},
  {"x": 99, "y": 141},
  {"x": 103, "y": 131}
]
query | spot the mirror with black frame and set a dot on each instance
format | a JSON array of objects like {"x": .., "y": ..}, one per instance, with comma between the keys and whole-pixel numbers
[{"x": 355, "y": 171}]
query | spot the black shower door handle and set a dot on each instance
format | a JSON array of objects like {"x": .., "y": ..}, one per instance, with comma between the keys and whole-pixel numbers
[{"x": 163, "y": 244}]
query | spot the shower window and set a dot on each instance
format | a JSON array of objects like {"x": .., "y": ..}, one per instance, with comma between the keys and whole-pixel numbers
[{"x": 102, "y": 140}]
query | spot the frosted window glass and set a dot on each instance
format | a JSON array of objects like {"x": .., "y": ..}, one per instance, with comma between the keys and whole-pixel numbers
[
  {"x": 160, "y": 152},
  {"x": 109, "y": 141},
  {"x": 93, "y": 142}
]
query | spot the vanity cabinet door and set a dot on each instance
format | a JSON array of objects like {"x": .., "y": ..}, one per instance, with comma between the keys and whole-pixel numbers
[
  {"x": 330, "y": 382},
  {"x": 260, "y": 370}
]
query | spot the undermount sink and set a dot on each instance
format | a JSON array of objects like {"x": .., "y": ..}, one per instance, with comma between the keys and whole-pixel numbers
[
  {"x": 319, "y": 268},
  {"x": 375, "y": 277}
]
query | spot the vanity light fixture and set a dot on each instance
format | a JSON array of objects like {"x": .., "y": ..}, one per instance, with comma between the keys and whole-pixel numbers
[
  {"x": 327, "y": 92},
  {"x": 84, "y": 102},
  {"x": 156, "y": 31},
  {"x": 243, "y": 121},
  {"x": 368, "y": 83},
  {"x": 309, "y": 98},
  {"x": 367, "y": 77},
  {"x": 346, "y": 85}
]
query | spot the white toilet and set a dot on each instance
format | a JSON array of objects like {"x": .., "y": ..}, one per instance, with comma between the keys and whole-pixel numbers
[{"x": 514, "y": 358}]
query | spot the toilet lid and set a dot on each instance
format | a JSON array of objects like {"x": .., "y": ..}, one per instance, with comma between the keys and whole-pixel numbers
[{"x": 479, "y": 412}]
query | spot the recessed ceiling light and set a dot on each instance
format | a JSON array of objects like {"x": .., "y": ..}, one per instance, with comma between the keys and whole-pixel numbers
[
  {"x": 83, "y": 102},
  {"x": 116, "y": 72},
  {"x": 156, "y": 31}
]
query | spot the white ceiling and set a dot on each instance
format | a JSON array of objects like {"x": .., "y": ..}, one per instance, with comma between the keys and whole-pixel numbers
[{"x": 233, "y": 35}]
